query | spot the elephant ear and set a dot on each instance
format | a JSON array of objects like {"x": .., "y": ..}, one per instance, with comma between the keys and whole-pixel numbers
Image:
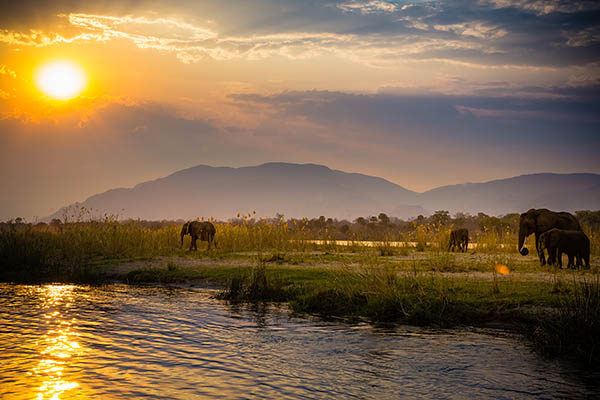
[{"x": 531, "y": 217}]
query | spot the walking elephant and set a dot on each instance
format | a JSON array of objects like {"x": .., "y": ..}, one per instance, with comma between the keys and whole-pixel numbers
[
  {"x": 575, "y": 243},
  {"x": 459, "y": 238},
  {"x": 538, "y": 221},
  {"x": 205, "y": 231}
]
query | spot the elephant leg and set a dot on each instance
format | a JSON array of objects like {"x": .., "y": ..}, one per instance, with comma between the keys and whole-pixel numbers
[
  {"x": 540, "y": 253},
  {"x": 571, "y": 261},
  {"x": 559, "y": 261},
  {"x": 586, "y": 258}
]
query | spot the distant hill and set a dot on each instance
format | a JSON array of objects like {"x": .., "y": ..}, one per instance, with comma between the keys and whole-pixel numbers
[
  {"x": 564, "y": 192},
  {"x": 294, "y": 190},
  {"x": 309, "y": 190}
]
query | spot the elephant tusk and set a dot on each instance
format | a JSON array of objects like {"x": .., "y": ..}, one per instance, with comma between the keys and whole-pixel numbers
[{"x": 522, "y": 247}]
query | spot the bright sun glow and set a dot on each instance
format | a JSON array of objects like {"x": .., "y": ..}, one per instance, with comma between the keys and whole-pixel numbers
[{"x": 62, "y": 80}]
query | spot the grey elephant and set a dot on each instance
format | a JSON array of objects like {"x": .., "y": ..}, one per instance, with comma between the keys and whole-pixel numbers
[
  {"x": 459, "y": 238},
  {"x": 538, "y": 221},
  {"x": 575, "y": 244},
  {"x": 205, "y": 231}
]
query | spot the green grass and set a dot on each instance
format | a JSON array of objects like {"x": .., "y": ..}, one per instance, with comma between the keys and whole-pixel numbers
[
  {"x": 223, "y": 274},
  {"x": 371, "y": 283}
]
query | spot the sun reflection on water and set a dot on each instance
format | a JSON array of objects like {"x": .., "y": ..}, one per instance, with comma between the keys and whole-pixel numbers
[{"x": 58, "y": 345}]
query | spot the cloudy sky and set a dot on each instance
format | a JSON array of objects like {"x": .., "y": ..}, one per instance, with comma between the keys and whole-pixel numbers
[{"x": 422, "y": 93}]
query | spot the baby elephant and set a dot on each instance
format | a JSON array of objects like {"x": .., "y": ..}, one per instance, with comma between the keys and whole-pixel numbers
[
  {"x": 575, "y": 243},
  {"x": 459, "y": 238}
]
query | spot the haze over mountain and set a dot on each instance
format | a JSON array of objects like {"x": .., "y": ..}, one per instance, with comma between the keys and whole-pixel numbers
[
  {"x": 309, "y": 190},
  {"x": 560, "y": 192}
]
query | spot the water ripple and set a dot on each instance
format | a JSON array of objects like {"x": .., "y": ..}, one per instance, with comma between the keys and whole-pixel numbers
[{"x": 117, "y": 341}]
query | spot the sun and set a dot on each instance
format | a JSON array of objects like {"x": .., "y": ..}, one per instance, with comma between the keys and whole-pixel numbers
[{"x": 61, "y": 80}]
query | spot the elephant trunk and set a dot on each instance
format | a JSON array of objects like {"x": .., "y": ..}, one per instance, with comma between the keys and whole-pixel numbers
[
  {"x": 183, "y": 232},
  {"x": 522, "y": 249}
]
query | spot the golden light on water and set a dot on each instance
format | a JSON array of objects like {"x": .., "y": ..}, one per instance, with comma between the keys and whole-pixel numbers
[
  {"x": 61, "y": 80},
  {"x": 502, "y": 269},
  {"x": 59, "y": 346}
]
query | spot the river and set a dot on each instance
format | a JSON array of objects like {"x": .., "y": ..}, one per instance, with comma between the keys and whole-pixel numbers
[{"x": 118, "y": 341}]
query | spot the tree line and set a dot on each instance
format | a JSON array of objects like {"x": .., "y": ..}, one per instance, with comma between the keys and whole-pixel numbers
[{"x": 365, "y": 227}]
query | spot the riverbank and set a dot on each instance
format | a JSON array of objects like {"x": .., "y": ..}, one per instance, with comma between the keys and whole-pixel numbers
[{"x": 558, "y": 310}]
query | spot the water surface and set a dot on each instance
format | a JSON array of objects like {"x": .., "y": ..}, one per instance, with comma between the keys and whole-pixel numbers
[{"x": 117, "y": 341}]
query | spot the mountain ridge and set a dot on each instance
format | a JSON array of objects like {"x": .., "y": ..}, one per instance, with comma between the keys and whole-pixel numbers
[{"x": 311, "y": 190}]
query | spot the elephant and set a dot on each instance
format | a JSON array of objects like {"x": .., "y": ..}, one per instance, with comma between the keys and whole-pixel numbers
[
  {"x": 540, "y": 220},
  {"x": 205, "y": 231},
  {"x": 575, "y": 243},
  {"x": 459, "y": 238}
]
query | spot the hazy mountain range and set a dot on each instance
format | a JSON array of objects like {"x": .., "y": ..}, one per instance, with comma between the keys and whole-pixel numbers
[{"x": 309, "y": 190}]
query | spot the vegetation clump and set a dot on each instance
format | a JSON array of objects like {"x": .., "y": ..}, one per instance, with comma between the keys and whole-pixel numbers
[{"x": 573, "y": 329}]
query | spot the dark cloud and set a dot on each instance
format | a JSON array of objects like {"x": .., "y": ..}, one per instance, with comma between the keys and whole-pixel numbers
[
  {"x": 553, "y": 117},
  {"x": 35, "y": 14}
]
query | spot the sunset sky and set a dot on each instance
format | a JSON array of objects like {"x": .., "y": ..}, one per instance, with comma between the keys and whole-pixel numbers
[{"x": 422, "y": 93}]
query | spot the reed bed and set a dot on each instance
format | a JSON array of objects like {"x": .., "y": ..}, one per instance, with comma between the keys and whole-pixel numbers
[
  {"x": 76, "y": 244},
  {"x": 25, "y": 247}
]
